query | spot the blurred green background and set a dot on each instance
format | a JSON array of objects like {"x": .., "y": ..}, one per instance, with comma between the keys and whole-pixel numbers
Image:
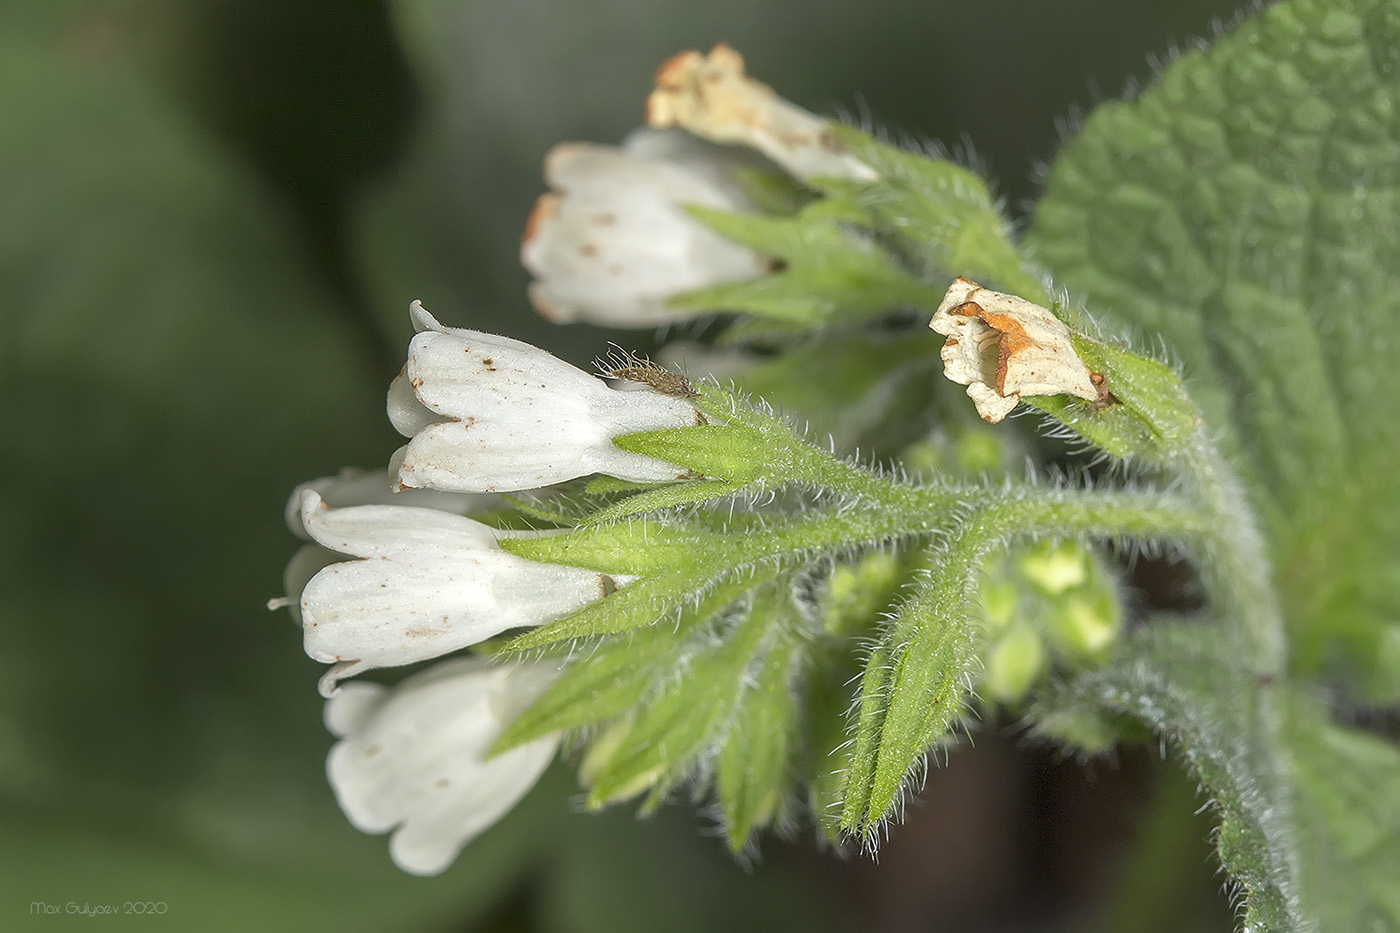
[{"x": 213, "y": 215}]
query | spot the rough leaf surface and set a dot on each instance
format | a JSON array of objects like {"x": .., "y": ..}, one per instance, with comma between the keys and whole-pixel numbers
[{"x": 1245, "y": 208}]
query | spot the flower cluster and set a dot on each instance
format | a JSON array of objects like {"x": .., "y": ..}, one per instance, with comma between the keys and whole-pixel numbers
[
  {"x": 412, "y": 567},
  {"x": 396, "y": 572}
]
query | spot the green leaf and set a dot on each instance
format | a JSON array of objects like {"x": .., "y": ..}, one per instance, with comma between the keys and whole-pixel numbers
[
  {"x": 1245, "y": 209},
  {"x": 1347, "y": 802}
]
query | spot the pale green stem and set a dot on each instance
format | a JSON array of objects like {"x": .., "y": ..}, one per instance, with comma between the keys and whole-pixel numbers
[{"x": 1233, "y": 560}]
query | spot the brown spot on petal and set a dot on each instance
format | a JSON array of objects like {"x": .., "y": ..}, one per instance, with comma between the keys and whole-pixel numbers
[
  {"x": 373, "y": 750},
  {"x": 442, "y": 783},
  {"x": 588, "y": 250},
  {"x": 605, "y": 219}
]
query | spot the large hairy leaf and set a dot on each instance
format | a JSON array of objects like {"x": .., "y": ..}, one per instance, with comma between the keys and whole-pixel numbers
[{"x": 1247, "y": 209}]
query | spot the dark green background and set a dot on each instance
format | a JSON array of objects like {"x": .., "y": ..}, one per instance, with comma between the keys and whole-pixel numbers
[{"x": 213, "y": 216}]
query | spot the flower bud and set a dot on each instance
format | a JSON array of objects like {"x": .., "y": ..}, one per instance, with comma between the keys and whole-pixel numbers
[
  {"x": 426, "y": 583},
  {"x": 613, "y": 240},
  {"x": 488, "y": 413},
  {"x": 1014, "y": 663}
]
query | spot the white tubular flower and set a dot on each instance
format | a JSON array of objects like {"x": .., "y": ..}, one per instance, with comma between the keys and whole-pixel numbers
[
  {"x": 1003, "y": 347},
  {"x": 713, "y": 97},
  {"x": 354, "y": 487},
  {"x": 374, "y": 487},
  {"x": 413, "y": 758},
  {"x": 613, "y": 241},
  {"x": 492, "y": 414},
  {"x": 428, "y": 583}
]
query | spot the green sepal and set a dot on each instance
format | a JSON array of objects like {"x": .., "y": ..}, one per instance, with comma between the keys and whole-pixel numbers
[
  {"x": 742, "y": 445},
  {"x": 1148, "y": 389},
  {"x": 753, "y": 773},
  {"x": 941, "y": 214},
  {"x": 605, "y": 485},
  {"x": 850, "y": 607},
  {"x": 861, "y": 754},
  {"x": 677, "y": 724},
  {"x": 914, "y": 688},
  {"x": 828, "y": 271},
  {"x": 638, "y": 547},
  {"x": 614, "y": 677},
  {"x": 732, "y": 454},
  {"x": 663, "y": 497},
  {"x": 646, "y": 602}
]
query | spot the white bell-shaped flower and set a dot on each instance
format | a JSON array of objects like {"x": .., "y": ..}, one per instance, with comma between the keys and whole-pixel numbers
[
  {"x": 612, "y": 241},
  {"x": 489, "y": 414},
  {"x": 355, "y": 487},
  {"x": 427, "y": 583},
  {"x": 376, "y": 487},
  {"x": 412, "y": 758}
]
